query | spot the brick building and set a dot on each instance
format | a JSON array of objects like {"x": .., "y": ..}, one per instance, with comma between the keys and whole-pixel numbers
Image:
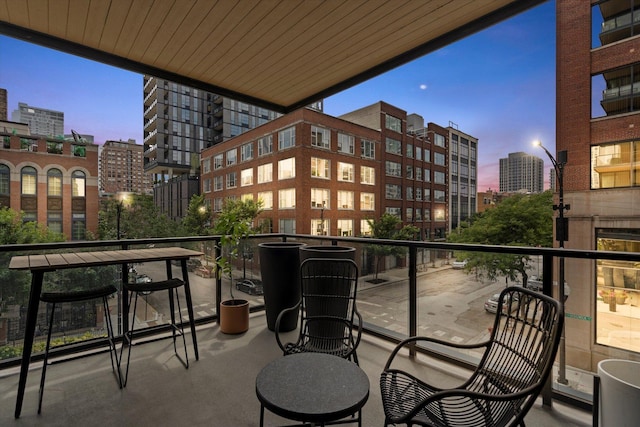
[
  {"x": 54, "y": 182},
  {"x": 598, "y": 124},
  {"x": 122, "y": 168}
]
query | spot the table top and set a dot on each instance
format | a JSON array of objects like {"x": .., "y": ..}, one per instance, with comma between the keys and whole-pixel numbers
[
  {"x": 312, "y": 387},
  {"x": 56, "y": 261}
]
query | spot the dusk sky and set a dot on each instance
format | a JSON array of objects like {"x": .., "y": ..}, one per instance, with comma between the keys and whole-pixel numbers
[{"x": 497, "y": 85}]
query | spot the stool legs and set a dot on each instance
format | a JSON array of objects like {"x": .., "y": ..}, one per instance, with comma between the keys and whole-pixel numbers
[
  {"x": 176, "y": 329},
  {"x": 113, "y": 352}
]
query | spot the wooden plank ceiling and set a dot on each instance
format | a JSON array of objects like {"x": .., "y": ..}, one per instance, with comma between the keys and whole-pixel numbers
[{"x": 281, "y": 54}]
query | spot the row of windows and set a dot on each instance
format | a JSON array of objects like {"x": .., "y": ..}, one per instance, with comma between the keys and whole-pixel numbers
[
  {"x": 29, "y": 179},
  {"x": 395, "y": 169},
  {"x": 320, "y": 137},
  {"x": 320, "y": 199},
  {"x": 394, "y": 192},
  {"x": 615, "y": 165}
]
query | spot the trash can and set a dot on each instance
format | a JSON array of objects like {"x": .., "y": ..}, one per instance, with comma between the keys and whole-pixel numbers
[
  {"x": 280, "y": 271},
  {"x": 619, "y": 393}
]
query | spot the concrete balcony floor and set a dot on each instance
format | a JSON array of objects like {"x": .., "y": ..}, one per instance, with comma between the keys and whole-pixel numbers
[{"x": 217, "y": 390}]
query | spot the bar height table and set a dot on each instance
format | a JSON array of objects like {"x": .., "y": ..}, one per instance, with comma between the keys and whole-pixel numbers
[
  {"x": 313, "y": 388},
  {"x": 40, "y": 264}
]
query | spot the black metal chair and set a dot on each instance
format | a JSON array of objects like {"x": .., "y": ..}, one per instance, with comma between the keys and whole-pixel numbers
[
  {"x": 54, "y": 298},
  {"x": 517, "y": 360},
  {"x": 145, "y": 288},
  {"x": 327, "y": 309}
]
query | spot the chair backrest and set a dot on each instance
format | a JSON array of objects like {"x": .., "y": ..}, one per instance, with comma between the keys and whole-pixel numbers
[
  {"x": 523, "y": 345},
  {"x": 329, "y": 288}
]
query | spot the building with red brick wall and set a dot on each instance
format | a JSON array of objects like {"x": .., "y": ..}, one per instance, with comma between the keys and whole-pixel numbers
[
  {"x": 54, "y": 182},
  {"x": 598, "y": 125},
  {"x": 122, "y": 168}
]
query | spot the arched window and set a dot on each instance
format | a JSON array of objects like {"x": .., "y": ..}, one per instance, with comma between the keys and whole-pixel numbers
[
  {"x": 54, "y": 183},
  {"x": 4, "y": 180},
  {"x": 29, "y": 178},
  {"x": 78, "y": 206}
]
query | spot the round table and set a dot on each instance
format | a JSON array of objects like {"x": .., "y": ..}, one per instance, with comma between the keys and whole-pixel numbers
[{"x": 312, "y": 387}]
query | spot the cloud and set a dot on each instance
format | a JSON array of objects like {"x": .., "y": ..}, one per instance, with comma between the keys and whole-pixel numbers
[{"x": 423, "y": 86}]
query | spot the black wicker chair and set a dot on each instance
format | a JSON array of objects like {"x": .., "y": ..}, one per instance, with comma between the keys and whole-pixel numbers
[
  {"x": 517, "y": 360},
  {"x": 327, "y": 309}
]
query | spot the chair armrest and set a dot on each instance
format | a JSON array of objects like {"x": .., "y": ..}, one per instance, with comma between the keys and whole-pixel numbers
[
  {"x": 279, "y": 319},
  {"x": 359, "y": 336},
  {"x": 416, "y": 339}
]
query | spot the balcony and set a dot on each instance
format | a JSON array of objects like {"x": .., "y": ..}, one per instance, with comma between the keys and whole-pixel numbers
[
  {"x": 219, "y": 389},
  {"x": 427, "y": 297}
]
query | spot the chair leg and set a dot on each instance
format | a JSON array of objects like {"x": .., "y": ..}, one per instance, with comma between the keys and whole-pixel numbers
[
  {"x": 46, "y": 358},
  {"x": 113, "y": 351},
  {"x": 178, "y": 327},
  {"x": 127, "y": 341}
]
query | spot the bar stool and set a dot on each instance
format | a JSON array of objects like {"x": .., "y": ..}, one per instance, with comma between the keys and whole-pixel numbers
[
  {"x": 169, "y": 285},
  {"x": 75, "y": 296}
]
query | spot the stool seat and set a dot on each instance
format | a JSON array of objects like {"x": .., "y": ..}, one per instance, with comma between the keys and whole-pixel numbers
[
  {"x": 80, "y": 295},
  {"x": 154, "y": 286}
]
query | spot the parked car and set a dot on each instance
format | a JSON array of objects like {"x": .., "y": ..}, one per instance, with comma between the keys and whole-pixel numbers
[
  {"x": 251, "y": 287},
  {"x": 491, "y": 305},
  {"x": 459, "y": 265},
  {"x": 143, "y": 278},
  {"x": 206, "y": 272},
  {"x": 534, "y": 284}
]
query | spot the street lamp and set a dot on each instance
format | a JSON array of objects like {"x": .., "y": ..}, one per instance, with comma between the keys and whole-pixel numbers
[
  {"x": 562, "y": 235},
  {"x": 123, "y": 199}
]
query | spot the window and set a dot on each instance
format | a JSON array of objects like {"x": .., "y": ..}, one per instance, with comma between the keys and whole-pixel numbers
[
  {"x": 418, "y": 174},
  {"x": 439, "y": 140},
  {"x": 367, "y": 149},
  {"x": 218, "y": 183},
  {"x": 78, "y": 226},
  {"x": 345, "y": 200},
  {"x": 206, "y": 165},
  {"x": 246, "y": 177},
  {"x": 345, "y": 227},
  {"x": 320, "y": 137},
  {"x": 438, "y": 214},
  {"x": 78, "y": 184},
  {"x": 29, "y": 180},
  {"x": 409, "y": 151},
  {"x": 439, "y": 196},
  {"x": 267, "y": 199},
  {"x": 346, "y": 143},
  {"x": 613, "y": 21},
  {"x": 418, "y": 214},
  {"x": 287, "y": 198},
  {"x": 394, "y": 211},
  {"x": 427, "y": 214},
  {"x": 246, "y": 152},
  {"x": 439, "y": 159},
  {"x": 365, "y": 228},
  {"x": 393, "y": 146},
  {"x": 287, "y": 138},
  {"x": 231, "y": 180},
  {"x": 319, "y": 168},
  {"x": 393, "y": 191},
  {"x": 393, "y": 168},
  {"x": 217, "y": 204},
  {"x": 345, "y": 172},
  {"x": 393, "y": 123},
  {"x": 367, "y": 201},
  {"x": 320, "y": 227},
  {"x": 409, "y": 173},
  {"x": 232, "y": 157},
  {"x": 367, "y": 175},
  {"x": 54, "y": 221},
  {"x": 265, "y": 145},
  {"x": 206, "y": 185},
  {"x": 319, "y": 198},
  {"x": 619, "y": 91},
  {"x": 427, "y": 194},
  {"x": 427, "y": 175},
  {"x": 54, "y": 183},
  {"x": 287, "y": 168},
  {"x": 419, "y": 193},
  {"x": 265, "y": 173},
  {"x": 439, "y": 177},
  {"x": 218, "y": 161},
  {"x": 246, "y": 197},
  {"x": 427, "y": 155},
  {"x": 287, "y": 226},
  {"x": 5, "y": 178},
  {"x": 418, "y": 153},
  {"x": 409, "y": 214},
  {"x": 615, "y": 165},
  {"x": 409, "y": 193}
]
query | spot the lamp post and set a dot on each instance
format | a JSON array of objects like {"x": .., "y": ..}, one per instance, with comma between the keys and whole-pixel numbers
[{"x": 562, "y": 235}]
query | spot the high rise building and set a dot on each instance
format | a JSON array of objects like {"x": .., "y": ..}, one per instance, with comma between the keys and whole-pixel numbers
[
  {"x": 521, "y": 172},
  {"x": 598, "y": 125},
  {"x": 3, "y": 104},
  {"x": 41, "y": 121},
  {"x": 463, "y": 176},
  {"x": 179, "y": 122},
  {"x": 122, "y": 168}
]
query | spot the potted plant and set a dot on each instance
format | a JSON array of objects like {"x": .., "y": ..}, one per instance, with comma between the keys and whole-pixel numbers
[{"x": 234, "y": 223}]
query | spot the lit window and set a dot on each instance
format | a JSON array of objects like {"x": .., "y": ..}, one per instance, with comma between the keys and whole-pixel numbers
[
  {"x": 367, "y": 175},
  {"x": 345, "y": 200},
  {"x": 367, "y": 201},
  {"x": 246, "y": 177},
  {"x": 287, "y": 198},
  {"x": 267, "y": 199},
  {"x": 287, "y": 168},
  {"x": 265, "y": 173},
  {"x": 345, "y": 172},
  {"x": 54, "y": 183},
  {"x": 78, "y": 183},
  {"x": 29, "y": 179},
  {"x": 319, "y": 198},
  {"x": 345, "y": 227},
  {"x": 319, "y": 168}
]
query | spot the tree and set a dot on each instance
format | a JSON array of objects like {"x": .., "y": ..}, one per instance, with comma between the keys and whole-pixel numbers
[
  {"x": 519, "y": 220},
  {"x": 140, "y": 219},
  {"x": 197, "y": 222},
  {"x": 386, "y": 227},
  {"x": 234, "y": 223}
]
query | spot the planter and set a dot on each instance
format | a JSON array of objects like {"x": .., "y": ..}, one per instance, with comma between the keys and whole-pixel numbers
[
  {"x": 328, "y": 251},
  {"x": 280, "y": 270},
  {"x": 619, "y": 393},
  {"x": 234, "y": 316}
]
